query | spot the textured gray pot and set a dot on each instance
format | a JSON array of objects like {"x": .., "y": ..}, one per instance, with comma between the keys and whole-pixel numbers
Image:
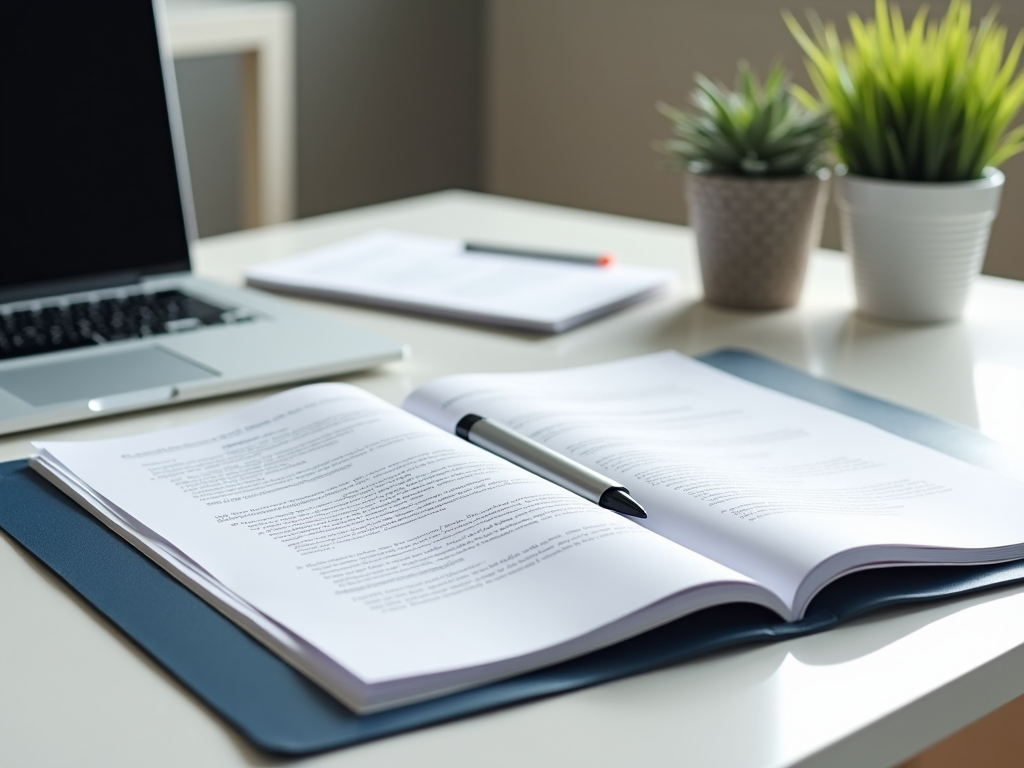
[{"x": 755, "y": 235}]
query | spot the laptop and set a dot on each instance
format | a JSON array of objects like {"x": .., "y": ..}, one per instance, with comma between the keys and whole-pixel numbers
[{"x": 99, "y": 312}]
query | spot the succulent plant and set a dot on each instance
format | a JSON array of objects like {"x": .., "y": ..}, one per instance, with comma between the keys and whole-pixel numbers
[
  {"x": 755, "y": 130},
  {"x": 925, "y": 102}
]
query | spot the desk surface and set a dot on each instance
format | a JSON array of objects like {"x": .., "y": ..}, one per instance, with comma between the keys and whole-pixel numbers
[{"x": 871, "y": 693}]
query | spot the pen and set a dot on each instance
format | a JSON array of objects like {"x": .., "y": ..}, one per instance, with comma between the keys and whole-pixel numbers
[
  {"x": 594, "y": 259},
  {"x": 541, "y": 460}
]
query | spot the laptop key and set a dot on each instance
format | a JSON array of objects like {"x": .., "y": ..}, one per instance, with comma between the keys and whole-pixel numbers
[{"x": 55, "y": 327}]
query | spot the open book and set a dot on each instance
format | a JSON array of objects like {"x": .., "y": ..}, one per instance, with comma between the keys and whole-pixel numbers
[{"x": 393, "y": 562}]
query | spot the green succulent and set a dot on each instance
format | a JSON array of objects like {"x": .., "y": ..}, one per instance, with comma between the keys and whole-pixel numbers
[
  {"x": 755, "y": 130},
  {"x": 928, "y": 102}
]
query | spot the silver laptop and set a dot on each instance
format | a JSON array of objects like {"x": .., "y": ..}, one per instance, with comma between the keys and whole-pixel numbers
[{"x": 99, "y": 313}]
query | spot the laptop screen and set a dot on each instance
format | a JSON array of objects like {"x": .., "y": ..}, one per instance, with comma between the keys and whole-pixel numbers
[{"x": 89, "y": 190}]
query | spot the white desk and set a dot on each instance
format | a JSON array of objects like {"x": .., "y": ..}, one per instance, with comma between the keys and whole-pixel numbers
[{"x": 871, "y": 693}]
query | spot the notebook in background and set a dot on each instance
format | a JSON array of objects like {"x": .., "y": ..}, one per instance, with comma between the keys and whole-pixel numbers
[{"x": 438, "y": 276}]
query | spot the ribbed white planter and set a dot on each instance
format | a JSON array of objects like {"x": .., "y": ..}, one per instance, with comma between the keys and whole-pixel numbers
[{"x": 916, "y": 246}]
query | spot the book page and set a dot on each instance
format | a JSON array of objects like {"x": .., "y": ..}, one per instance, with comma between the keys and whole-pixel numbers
[
  {"x": 390, "y": 547},
  {"x": 435, "y": 275},
  {"x": 785, "y": 491}
]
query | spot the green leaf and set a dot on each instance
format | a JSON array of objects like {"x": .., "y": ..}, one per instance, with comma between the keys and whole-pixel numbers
[
  {"x": 1013, "y": 144},
  {"x": 899, "y": 166},
  {"x": 804, "y": 97},
  {"x": 929, "y": 100},
  {"x": 756, "y": 129}
]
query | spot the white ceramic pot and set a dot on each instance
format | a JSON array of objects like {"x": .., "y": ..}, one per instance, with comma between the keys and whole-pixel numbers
[{"x": 916, "y": 246}]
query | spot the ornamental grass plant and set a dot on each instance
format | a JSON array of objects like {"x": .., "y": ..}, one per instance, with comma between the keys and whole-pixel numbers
[
  {"x": 932, "y": 101},
  {"x": 755, "y": 130}
]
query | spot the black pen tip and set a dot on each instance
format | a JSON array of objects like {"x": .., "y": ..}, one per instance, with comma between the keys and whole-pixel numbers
[{"x": 618, "y": 500}]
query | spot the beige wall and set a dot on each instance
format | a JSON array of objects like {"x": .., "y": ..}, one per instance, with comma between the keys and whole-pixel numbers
[
  {"x": 388, "y": 100},
  {"x": 388, "y": 105},
  {"x": 571, "y": 86}
]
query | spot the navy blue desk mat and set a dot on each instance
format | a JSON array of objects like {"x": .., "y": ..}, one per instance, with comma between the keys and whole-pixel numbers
[{"x": 280, "y": 711}]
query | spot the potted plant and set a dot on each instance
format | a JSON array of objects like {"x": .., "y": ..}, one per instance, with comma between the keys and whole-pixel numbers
[
  {"x": 756, "y": 185},
  {"x": 923, "y": 114}
]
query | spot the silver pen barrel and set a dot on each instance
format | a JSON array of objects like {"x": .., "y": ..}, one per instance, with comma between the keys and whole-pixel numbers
[{"x": 539, "y": 459}]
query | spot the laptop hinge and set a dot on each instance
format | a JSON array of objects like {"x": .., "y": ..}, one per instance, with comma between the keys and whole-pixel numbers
[{"x": 69, "y": 285}]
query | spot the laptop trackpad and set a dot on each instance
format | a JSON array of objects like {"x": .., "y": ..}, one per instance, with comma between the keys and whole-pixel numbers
[{"x": 104, "y": 378}]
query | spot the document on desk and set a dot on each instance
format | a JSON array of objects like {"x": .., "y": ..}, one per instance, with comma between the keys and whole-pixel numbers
[
  {"x": 787, "y": 492},
  {"x": 386, "y": 559},
  {"x": 438, "y": 276},
  {"x": 392, "y": 561}
]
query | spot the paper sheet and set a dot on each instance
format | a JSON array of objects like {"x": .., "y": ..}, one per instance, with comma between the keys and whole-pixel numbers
[
  {"x": 393, "y": 548},
  {"x": 436, "y": 276},
  {"x": 771, "y": 485}
]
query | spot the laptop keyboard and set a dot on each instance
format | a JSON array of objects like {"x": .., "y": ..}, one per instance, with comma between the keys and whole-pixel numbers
[{"x": 35, "y": 328}]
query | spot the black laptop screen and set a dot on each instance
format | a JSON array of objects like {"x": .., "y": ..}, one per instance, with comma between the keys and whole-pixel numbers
[{"x": 89, "y": 186}]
